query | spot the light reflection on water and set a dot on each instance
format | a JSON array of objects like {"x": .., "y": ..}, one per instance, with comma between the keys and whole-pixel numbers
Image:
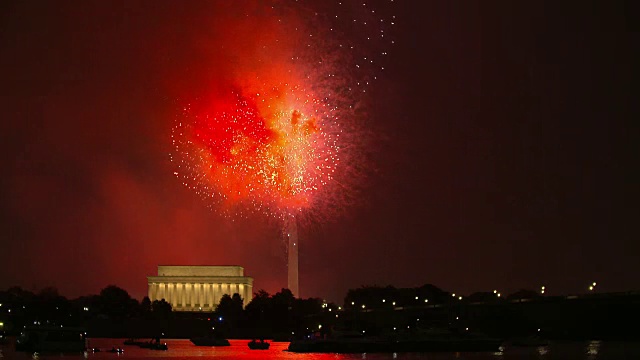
[{"x": 184, "y": 350}]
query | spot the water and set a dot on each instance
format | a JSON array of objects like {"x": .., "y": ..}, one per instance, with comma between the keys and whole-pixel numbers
[{"x": 183, "y": 349}]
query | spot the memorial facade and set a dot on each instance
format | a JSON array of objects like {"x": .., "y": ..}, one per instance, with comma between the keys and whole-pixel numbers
[{"x": 198, "y": 288}]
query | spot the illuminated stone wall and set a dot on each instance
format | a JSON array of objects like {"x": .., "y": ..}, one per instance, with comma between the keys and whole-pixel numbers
[{"x": 198, "y": 288}]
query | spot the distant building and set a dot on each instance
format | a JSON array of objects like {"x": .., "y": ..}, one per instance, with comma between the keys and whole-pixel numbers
[{"x": 198, "y": 288}]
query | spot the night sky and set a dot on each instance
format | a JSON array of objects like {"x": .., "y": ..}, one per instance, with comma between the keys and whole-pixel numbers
[{"x": 502, "y": 155}]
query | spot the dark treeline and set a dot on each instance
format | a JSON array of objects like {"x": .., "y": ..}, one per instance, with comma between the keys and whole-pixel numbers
[
  {"x": 383, "y": 310},
  {"x": 369, "y": 309},
  {"x": 113, "y": 306},
  {"x": 114, "y": 313}
]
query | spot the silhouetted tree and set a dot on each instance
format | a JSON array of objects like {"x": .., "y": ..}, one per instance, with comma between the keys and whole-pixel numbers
[
  {"x": 482, "y": 297},
  {"x": 229, "y": 313},
  {"x": 161, "y": 309},
  {"x": 116, "y": 302},
  {"x": 524, "y": 294},
  {"x": 257, "y": 313},
  {"x": 281, "y": 310},
  {"x": 145, "y": 305}
]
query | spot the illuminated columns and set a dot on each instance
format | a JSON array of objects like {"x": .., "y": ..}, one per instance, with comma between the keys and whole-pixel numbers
[
  {"x": 198, "y": 288},
  {"x": 205, "y": 297},
  {"x": 216, "y": 292}
]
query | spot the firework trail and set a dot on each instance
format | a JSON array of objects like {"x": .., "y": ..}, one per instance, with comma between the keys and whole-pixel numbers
[{"x": 283, "y": 131}]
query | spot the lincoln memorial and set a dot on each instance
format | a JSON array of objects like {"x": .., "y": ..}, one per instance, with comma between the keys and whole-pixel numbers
[{"x": 198, "y": 288}]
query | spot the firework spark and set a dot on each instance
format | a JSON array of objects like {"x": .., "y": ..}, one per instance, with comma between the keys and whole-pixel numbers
[{"x": 281, "y": 139}]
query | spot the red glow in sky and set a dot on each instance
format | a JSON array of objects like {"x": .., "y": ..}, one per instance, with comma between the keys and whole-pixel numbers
[
  {"x": 497, "y": 143},
  {"x": 268, "y": 135}
]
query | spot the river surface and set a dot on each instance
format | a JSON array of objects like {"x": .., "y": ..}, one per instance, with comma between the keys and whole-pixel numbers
[{"x": 183, "y": 349}]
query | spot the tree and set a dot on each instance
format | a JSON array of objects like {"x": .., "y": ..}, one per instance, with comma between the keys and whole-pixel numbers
[
  {"x": 116, "y": 302},
  {"x": 161, "y": 309},
  {"x": 281, "y": 310},
  {"x": 229, "y": 313},
  {"x": 145, "y": 305}
]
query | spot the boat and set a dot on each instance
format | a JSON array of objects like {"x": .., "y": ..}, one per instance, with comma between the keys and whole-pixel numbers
[
  {"x": 258, "y": 345},
  {"x": 51, "y": 339},
  {"x": 132, "y": 342},
  {"x": 209, "y": 340},
  {"x": 154, "y": 344},
  {"x": 159, "y": 346},
  {"x": 394, "y": 344}
]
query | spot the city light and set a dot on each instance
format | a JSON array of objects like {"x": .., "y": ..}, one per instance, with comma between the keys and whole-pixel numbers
[
  {"x": 459, "y": 297},
  {"x": 383, "y": 300},
  {"x": 495, "y": 291},
  {"x": 416, "y": 298},
  {"x": 542, "y": 290},
  {"x": 353, "y": 303},
  {"x": 498, "y": 294},
  {"x": 393, "y": 303},
  {"x": 363, "y": 306},
  {"x": 426, "y": 300}
]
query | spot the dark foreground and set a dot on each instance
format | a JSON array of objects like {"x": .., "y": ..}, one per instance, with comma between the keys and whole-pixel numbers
[{"x": 184, "y": 349}]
